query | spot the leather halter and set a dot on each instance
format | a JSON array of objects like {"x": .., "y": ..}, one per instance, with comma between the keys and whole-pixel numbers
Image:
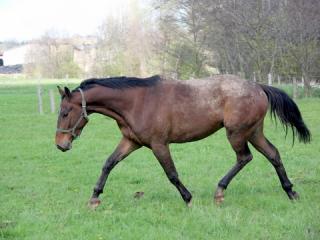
[{"x": 83, "y": 115}]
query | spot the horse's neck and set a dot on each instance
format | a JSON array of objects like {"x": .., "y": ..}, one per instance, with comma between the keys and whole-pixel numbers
[{"x": 110, "y": 102}]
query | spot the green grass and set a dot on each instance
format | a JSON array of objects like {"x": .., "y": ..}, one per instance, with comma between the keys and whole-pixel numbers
[{"x": 43, "y": 192}]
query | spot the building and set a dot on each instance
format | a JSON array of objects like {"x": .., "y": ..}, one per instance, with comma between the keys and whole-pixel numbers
[
  {"x": 83, "y": 51},
  {"x": 16, "y": 55}
]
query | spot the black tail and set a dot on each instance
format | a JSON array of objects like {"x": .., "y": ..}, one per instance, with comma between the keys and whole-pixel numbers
[{"x": 288, "y": 112}]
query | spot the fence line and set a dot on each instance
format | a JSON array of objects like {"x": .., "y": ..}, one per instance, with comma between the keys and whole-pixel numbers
[
  {"x": 277, "y": 78},
  {"x": 273, "y": 78}
]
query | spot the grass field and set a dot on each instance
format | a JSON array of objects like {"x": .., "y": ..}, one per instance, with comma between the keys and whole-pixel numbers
[{"x": 43, "y": 192}]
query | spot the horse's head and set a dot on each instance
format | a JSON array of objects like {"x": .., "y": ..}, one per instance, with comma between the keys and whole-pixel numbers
[{"x": 72, "y": 118}]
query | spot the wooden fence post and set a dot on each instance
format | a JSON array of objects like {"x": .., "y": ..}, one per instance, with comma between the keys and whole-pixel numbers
[
  {"x": 279, "y": 80},
  {"x": 254, "y": 77},
  {"x": 52, "y": 102},
  {"x": 294, "y": 89},
  {"x": 269, "y": 79},
  {"x": 40, "y": 104},
  {"x": 241, "y": 74}
]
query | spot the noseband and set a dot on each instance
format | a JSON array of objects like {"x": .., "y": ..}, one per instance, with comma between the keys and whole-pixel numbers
[{"x": 83, "y": 115}]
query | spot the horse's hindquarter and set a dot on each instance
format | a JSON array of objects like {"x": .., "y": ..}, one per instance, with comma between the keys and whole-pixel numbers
[{"x": 245, "y": 103}]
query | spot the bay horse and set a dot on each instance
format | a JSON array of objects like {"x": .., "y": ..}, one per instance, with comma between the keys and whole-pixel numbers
[{"x": 154, "y": 112}]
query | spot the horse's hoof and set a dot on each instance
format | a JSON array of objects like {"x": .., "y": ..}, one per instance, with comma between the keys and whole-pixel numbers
[
  {"x": 219, "y": 196},
  {"x": 218, "y": 199},
  {"x": 94, "y": 203},
  {"x": 293, "y": 195},
  {"x": 189, "y": 204}
]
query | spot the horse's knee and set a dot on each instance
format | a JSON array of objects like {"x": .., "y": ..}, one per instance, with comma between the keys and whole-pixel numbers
[{"x": 244, "y": 159}]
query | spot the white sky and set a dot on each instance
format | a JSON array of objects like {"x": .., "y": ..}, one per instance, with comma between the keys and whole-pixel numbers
[{"x": 28, "y": 19}]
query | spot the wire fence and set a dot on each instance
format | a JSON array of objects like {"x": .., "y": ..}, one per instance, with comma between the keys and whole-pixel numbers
[{"x": 44, "y": 98}]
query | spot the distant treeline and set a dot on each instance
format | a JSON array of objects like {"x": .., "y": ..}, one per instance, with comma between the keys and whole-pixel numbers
[
  {"x": 190, "y": 39},
  {"x": 248, "y": 37}
]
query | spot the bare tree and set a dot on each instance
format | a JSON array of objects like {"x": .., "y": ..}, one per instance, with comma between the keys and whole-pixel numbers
[
  {"x": 302, "y": 37},
  {"x": 125, "y": 44},
  {"x": 253, "y": 38},
  {"x": 185, "y": 37}
]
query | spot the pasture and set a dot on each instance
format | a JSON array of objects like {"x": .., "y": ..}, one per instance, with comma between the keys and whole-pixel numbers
[{"x": 44, "y": 192}]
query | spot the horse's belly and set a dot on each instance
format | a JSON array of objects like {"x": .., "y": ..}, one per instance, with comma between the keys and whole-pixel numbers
[
  {"x": 194, "y": 129},
  {"x": 191, "y": 137}
]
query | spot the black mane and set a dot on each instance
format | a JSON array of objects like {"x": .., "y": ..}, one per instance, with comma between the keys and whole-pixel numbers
[{"x": 119, "y": 82}]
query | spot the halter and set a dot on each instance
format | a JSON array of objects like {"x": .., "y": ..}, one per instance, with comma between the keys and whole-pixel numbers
[{"x": 83, "y": 115}]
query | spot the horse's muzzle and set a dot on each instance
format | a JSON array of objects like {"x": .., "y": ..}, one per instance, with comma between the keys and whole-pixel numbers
[{"x": 65, "y": 146}]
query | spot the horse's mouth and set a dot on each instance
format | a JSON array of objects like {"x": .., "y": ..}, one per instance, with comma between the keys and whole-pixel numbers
[{"x": 64, "y": 149}]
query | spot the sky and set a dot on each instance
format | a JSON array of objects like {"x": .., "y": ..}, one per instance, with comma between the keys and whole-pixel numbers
[{"x": 22, "y": 20}]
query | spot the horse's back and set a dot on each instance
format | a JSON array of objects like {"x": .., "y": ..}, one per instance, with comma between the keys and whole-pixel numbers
[{"x": 220, "y": 93}]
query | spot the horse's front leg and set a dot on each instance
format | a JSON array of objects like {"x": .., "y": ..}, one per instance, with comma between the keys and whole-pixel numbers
[
  {"x": 162, "y": 153},
  {"x": 124, "y": 148}
]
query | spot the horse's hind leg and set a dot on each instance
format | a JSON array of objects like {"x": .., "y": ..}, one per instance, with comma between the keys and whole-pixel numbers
[
  {"x": 262, "y": 144},
  {"x": 240, "y": 146}
]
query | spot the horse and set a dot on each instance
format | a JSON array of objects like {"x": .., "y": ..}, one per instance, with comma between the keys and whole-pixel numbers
[{"x": 157, "y": 111}]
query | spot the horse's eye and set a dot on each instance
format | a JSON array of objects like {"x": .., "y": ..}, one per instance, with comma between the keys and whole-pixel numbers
[{"x": 64, "y": 114}]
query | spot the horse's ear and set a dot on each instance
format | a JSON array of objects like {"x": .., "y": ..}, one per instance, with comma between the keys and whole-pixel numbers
[
  {"x": 62, "y": 93},
  {"x": 67, "y": 92}
]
